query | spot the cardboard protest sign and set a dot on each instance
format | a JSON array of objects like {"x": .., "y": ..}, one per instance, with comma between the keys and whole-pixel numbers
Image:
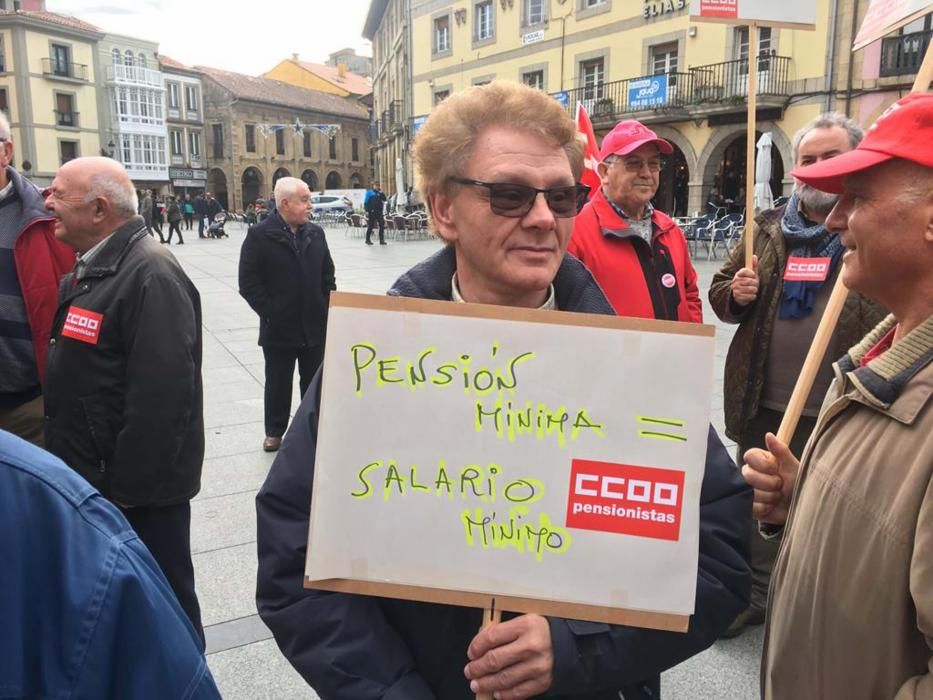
[
  {"x": 886, "y": 16},
  {"x": 800, "y": 14},
  {"x": 550, "y": 460}
]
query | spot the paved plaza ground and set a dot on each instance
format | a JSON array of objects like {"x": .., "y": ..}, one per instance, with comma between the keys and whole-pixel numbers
[{"x": 242, "y": 655}]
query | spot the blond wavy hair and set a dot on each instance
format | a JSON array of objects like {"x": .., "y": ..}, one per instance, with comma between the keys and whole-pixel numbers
[{"x": 445, "y": 142}]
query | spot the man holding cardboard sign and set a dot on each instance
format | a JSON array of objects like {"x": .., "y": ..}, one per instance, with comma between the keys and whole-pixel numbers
[
  {"x": 503, "y": 197},
  {"x": 853, "y": 580}
]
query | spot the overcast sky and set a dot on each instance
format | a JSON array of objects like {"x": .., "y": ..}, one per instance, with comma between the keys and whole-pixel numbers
[{"x": 242, "y": 37}]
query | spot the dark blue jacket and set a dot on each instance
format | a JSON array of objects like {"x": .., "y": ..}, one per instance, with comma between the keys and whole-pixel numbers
[
  {"x": 361, "y": 648},
  {"x": 85, "y": 610}
]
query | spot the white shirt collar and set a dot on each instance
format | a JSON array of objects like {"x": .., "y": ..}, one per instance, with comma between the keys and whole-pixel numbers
[{"x": 550, "y": 303}]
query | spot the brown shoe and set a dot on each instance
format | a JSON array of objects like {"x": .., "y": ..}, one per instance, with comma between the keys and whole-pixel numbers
[
  {"x": 271, "y": 444},
  {"x": 750, "y": 617}
]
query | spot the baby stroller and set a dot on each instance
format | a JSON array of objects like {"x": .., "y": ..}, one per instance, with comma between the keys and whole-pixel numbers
[{"x": 216, "y": 228}]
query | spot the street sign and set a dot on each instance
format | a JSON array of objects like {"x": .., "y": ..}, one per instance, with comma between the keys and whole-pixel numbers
[
  {"x": 532, "y": 37},
  {"x": 647, "y": 93},
  {"x": 563, "y": 97}
]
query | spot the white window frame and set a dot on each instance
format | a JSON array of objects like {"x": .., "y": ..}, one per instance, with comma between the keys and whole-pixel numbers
[
  {"x": 192, "y": 96},
  {"x": 537, "y": 85},
  {"x": 194, "y": 145},
  {"x": 535, "y": 12},
  {"x": 593, "y": 78},
  {"x": 177, "y": 142},
  {"x": 483, "y": 20},
  {"x": 174, "y": 103},
  {"x": 441, "y": 34}
]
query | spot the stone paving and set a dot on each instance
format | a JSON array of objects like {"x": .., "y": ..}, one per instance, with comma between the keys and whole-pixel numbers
[{"x": 242, "y": 655}]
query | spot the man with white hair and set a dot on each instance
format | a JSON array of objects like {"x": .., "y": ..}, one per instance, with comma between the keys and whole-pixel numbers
[
  {"x": 286, "y": 276},
  {"x": 124, "y": 403},
  {"x": 32, "y": 262}
]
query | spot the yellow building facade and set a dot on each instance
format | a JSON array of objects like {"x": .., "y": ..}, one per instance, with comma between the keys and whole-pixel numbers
[
  {"x": 48, "y": 87},
  {"x": 604, "y": 53}
]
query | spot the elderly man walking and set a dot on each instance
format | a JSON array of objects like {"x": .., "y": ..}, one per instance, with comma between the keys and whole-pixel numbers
[
  {"x": 499, "y": 167},
  {"x": 850, "y": 612},
  {"x": 124, "y": 399},
  {"x": 638, "y": 254},
  {"x": 778, "y": 309},
  {"x": 286, "y": 276},
  {"x": 32, "y": 261}
]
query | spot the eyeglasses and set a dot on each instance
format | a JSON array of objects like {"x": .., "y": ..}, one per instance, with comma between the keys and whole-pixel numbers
[
  {"x": 635, "y": 165},
  {"x": 514, "y": 200}
]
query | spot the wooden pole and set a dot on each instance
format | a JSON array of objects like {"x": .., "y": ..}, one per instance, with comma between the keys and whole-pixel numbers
[
  {"x": 491, "y": 616},
  {"x": 750, "y": 144},
  {"x": 833, "y": 309}
]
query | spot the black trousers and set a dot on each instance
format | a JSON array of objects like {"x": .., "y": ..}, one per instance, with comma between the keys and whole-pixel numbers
[
  {"x": 174, "y": 226},
  {"x": 280, "y": 369},
  {"x": 375, "y": 217},
  {"x": 166, "y": 532},
  {"x": 200, "y": 225},
  {"x": 764, "y": 552}
]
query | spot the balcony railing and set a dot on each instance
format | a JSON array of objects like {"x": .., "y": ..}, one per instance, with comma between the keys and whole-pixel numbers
[
  {"x": 902, "y": 55},
  {"x": 135, "y": 75},
  {"x": 716, "y": 83},
  {"x": 54, "y": 68},
  {"x": 66, "y": 118}
]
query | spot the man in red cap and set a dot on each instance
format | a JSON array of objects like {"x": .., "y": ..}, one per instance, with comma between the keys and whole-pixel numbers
[
  {"x": 637, "y": 254},
  {"x": 851, "y": 604}
]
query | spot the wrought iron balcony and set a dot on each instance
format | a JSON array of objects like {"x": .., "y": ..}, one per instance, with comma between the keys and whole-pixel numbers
[
  {"x": 55, "y": 68},
  {"x": 135, "y": 75},
  {"x": 66, "y": 118},
  {"x": 728, "y": 81},
  {"x": 902, "y": 55}
]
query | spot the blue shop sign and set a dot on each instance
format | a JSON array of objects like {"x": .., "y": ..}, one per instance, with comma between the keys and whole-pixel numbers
[{"x": 647, "y": 93}]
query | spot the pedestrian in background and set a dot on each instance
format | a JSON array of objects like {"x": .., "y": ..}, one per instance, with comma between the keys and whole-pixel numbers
[
  {"x": 32, "y": 262},
  {"x": 286, "y": 276},
  {"x": 124, "y": 405},
  {"x": 777, "y": 314},
  {"x": 188, "y": 211},
  {"x": 374, "y": 204},
  {"x": 174, "y": 219}
]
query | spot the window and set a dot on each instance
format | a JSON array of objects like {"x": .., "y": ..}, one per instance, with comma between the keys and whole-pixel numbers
[
  {"x": 217, "y": 131},
  {"x": 664, "y": 61},
  {"x": 355, "y": 149},
  {"x": 764, "y": 48},
  {"x": 65, "y": 114},
  {"x": 176, "y": 143},
  {"x": 4, "y": 104},
  {"x": 141, "y": 61},
  {"x": 173, "y": 100},
  {"x": 442, "y": 34},
  {"x": 117, "y": 57},
  {"x": 61, "y": 59},
  {"x": 483, "y": 20},
  {"x": 307, "y": 143},
  {"x": 535, "y": 12},
  {"x": 68, "y": 150},
  {"x": 280, "y": 142},
  {"x": 592, "y": 76},
  {"x": 194, "y": 145},
  {"x": 191, "y": 98},
  {"x": 903, "y": 52},
  {"x": 332, "y": 148},
  {"x": 440, "y": 96},
  {"x": 250, "y": 138},
  {"x": 2, "y": 57},
  {"x": 587, "y": 4},
  {"x": 128, "y": 58},
  {"x": 534, "y": 78}
]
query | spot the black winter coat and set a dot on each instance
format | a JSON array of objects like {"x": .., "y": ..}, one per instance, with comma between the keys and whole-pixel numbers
[
  {"x": 287, "y": 279},
  {"x": 123, "y": 397},
  {"x": 352, "y": 647}
]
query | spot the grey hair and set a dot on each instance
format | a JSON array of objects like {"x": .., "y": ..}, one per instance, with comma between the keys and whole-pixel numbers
[
  {"x": 121, "y": 195},
  {"x": 4, "y": 127},
  {"x": 830, "y": 120},
  {"x": 286, "y": 187}
]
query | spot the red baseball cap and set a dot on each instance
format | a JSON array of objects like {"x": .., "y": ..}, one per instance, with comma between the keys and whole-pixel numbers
[
  {"x": 628, "y": 136},
  {"x": 904, "y": 130}
]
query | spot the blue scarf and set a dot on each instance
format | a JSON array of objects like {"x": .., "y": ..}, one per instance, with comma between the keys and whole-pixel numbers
[{"x": 805, "y": 240}]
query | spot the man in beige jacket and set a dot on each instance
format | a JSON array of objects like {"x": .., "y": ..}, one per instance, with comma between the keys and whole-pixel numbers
[{"x": 850, "y": 611}]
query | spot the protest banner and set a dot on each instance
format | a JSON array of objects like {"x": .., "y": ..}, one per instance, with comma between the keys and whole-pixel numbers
[
  {"x": 550, "y": 461},
  {"x": 793, "y": 14}
]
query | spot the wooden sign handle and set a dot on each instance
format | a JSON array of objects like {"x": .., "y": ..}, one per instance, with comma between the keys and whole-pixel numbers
[
  {"x": 491, "y": 616},
  {"x": 750, "y": 144}
]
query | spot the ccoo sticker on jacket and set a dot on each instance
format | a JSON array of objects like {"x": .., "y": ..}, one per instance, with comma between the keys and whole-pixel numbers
[{"x": 83, "y": 325}]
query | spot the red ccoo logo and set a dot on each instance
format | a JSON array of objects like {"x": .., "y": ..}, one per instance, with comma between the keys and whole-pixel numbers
[
  {"x": 728, "y": 9},
  {"x": 807, "y": 269},
  {"x": 82, "y": 325},
  {"x": 622, "y": 498}
]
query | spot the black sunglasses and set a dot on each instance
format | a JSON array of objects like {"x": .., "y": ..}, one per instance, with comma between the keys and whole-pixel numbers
[{"x": 514, "y": 200}]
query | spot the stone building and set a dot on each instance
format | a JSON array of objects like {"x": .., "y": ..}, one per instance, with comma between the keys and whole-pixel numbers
[{"x": 258, "y": 130}]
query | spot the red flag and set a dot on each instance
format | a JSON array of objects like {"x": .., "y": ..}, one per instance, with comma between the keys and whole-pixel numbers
[{"x": 591, "y": 154}]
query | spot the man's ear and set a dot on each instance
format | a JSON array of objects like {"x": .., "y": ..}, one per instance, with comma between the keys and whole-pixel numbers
[
  {"x": 602, "y": 169},
  {"x": 102, "y": 209},
  {"x": 441, "y": 208}
]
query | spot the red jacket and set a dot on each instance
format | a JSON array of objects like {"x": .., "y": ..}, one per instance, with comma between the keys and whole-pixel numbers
[
  {"x": 640, "y": 281},
  {"x": 41, "y": 261}
]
